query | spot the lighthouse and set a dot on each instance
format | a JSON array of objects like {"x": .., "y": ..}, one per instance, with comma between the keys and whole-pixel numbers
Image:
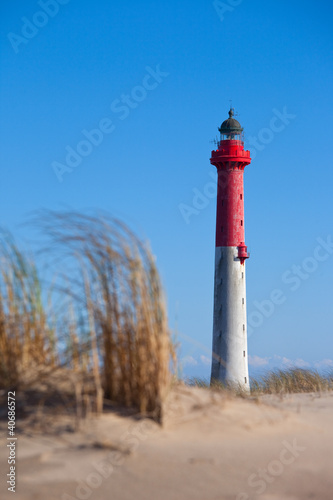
[{"x": 230, "y": 357}]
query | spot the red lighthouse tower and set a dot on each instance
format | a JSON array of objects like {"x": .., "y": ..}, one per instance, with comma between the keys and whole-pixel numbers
[{"x": 230, "y": 358}]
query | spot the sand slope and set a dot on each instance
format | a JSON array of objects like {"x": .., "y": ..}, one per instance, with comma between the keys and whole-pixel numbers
[{"x": 211, "y": 447}]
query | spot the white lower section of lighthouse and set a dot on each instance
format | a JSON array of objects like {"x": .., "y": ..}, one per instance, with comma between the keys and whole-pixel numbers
[{"x": 230, "y": 358}]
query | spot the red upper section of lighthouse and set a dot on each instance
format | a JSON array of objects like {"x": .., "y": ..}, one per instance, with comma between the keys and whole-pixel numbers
[
  {"x": 230, "y": 151},
  {"x": 230, "y": 160}
]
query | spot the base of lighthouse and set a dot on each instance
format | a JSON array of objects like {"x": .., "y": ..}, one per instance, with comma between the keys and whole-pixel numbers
[{"x": 230, "y": 358}]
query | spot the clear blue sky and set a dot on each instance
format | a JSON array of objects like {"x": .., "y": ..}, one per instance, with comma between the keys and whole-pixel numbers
[{"x": 71, "y": 72}]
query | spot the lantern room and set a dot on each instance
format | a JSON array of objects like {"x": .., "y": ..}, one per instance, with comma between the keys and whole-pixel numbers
[{"x": 231, "y": 129}]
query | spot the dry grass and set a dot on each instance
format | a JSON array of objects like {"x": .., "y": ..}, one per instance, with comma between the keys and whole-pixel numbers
[
  {"x": 104, "y": 317},
  {"x": 294, "y": 380},
  {"x": 26, "y": 337}
]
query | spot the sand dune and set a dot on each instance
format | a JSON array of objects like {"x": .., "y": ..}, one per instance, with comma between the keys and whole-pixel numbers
[{"x": 211, "y": 447}]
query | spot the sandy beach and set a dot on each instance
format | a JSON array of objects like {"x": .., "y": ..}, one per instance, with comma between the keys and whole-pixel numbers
[{"x": 211, "y": 447}]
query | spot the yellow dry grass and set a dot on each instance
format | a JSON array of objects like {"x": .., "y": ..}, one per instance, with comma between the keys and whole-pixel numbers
[
  {"x": 104, "y": 316},
  {"x": 292, "y": 380}
]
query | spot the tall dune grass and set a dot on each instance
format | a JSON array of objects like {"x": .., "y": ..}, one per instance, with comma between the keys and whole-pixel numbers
[
  {"x": 293, "y": 380},
  {"x": 104, "y": 316},
  {"x": 26, "y": 337}
]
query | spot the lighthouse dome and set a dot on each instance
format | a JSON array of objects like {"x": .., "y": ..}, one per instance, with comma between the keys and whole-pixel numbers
[{"x": 231, "y": 126}]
